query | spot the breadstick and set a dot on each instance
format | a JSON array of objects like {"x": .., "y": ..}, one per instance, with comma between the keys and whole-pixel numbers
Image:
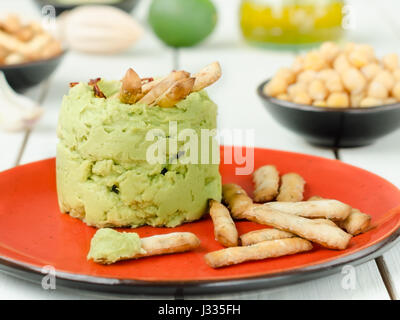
[
  {"x": 329, "y": 209},
  {"x": 326, "y": 221},
  {"x": 224, "y": 228},
  {"x": 257, "y": 236},
  {"x": 259, "y": 251},
  {"x": 357, "y": 222},
  {"x": 163, "y": 86},
  {"x": 326, "y": 235},
  {"x": 292, "y": 188},
  {"x": 207, "y": 76},
  {"x": 177, "y": 92},
  {"x": 168, "y": 243},
  {"x": 150, "y": 246},
  {"x": 131, "y": 87},
  {"x": 236, "y": 199},
  {"x": 266, "y": 180}
]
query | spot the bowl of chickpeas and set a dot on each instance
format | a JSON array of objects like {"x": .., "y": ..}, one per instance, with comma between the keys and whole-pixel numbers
[{"x": 337, "y": 96}]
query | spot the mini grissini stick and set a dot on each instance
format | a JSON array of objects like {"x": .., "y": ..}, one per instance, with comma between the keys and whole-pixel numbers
[
  {"x": 163, "y": 86},
  {"x": 328, "y": 209},
  {"x": 224, "y": 228},
  {"x": 257, "y": 236},
  {"x": 292, "y": 188},
  {"x": 236, "y": 199},
  {"x": 207, "y": 76},
  {"x": 259, "y": 251},
  {"x": 163, "y": 244},
  {"x": 266, "y": 181},
  {"x": 324, "y": 234},
  {"x": 357, "y": 222}
]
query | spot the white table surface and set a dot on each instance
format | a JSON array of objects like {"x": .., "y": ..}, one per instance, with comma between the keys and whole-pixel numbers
[{"x": 244, "y": 67}]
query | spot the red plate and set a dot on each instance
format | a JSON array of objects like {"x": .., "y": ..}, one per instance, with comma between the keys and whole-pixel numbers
[{"x": 33, "y": 233}]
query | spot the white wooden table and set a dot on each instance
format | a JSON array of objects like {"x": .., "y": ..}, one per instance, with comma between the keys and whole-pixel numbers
[{"x": 244, "y": 67}]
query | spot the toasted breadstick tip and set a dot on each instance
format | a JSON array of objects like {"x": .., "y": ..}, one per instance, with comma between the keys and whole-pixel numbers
[
  {"x": 169, "y": 243},
  {"x": 236, "y": 199},
  {"x": 324, "y": 234},
  {"x": 328, "y": 209},
  {"x": 357, "y": 222},
  {"x": 224, "y": 228},
  {"x": 207, "y": 76},
  {"x": 162, "y": 86},
  {"x": 292, "y": 188},
  {"x": 177, "y": 92},
  {"x": 266, "y": 181},
  {"x": 259, "y": 251},
  {"x": 257, "y": 236}
]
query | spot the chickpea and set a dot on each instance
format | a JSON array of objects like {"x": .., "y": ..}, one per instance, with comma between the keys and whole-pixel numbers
[
  {"x": 298, "y": 65},
  {"x": 283, "y": 96},
  {"x": 391, "y": 61},
  {"x": 306, "y": 76},
  {"x": 358, "y": 58},
  {"x": 370, "y": 102},
  {"x": 341, "y": 63},
  {"x": 338, "y": 100},
  {"x": 297, "y": 88},
  {"x": 329, "y": 51},
  {"x": 287, "y": 74},
  {"x": 314, "y": 61},
  {"x": 331, "y": 79},
  {"x": 390, "y": 100},
  {"x": 275, "y": 87},
  {"x": 353, "y": 80},
  {"x": 320, "y": 103},
  {"x": 386, "y": 78},
  {"x": 302, "y": 98},
  {"x": 356, "y": 98},
  {"x": 396, "y": 74},
  {"x": 377, "y": 90},
  {"x": 368, "y": 50},
  {"x": 317, "y": 90},
  {"x": 396, "y": 91},
  {"x": 371, "y": 70}
]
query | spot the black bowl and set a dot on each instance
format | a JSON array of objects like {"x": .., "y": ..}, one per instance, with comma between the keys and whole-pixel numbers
[
  {"x": 126, "y": 5},
  {"x": 26, "y": 75},
  {"x": 333, "y": 127}
]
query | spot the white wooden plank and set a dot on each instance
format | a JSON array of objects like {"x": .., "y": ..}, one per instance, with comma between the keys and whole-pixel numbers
[
  {"x": 244, "y": 68},
  {"x": 383, "y": 157}
]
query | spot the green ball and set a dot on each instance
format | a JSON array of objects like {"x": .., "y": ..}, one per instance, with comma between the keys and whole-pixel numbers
[{"x": 182, "y": 23}]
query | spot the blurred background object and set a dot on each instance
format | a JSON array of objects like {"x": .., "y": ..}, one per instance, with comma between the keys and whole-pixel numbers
[
  {"x": 291, "y": 23},
  {"x": 64, "y": 5},
  {"x": 28, "y": 53},
  {"x": 98, "y": 29},
  {"x": 17, "y": 113},
  {"x": 182, "y": 23}
]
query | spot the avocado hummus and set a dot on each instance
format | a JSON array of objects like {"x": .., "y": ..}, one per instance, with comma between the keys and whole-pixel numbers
[
  {"x": 109, "y": 246},
  {"x": 103, "y": 175}
]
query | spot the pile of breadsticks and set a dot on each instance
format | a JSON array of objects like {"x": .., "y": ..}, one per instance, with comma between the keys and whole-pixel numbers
[
  {"x": 21, "y": 42},
  {"x": 169, "y": 90},
  {"x": 164, "y": 92},
  {"x": 295, "y": 223}
]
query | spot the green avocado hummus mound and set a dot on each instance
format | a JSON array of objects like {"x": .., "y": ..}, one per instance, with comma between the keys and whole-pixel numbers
[
  {"x": 103, "y": 176},
  {"x": 109, "y": 246}
]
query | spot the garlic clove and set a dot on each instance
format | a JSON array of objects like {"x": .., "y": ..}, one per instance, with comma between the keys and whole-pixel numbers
[
  {"x": 99, "y": 29},
  {"x": 17, "y": 113}
]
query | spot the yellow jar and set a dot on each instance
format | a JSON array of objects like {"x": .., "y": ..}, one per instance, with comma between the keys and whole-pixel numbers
[{"x": 291, "y": 23}]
